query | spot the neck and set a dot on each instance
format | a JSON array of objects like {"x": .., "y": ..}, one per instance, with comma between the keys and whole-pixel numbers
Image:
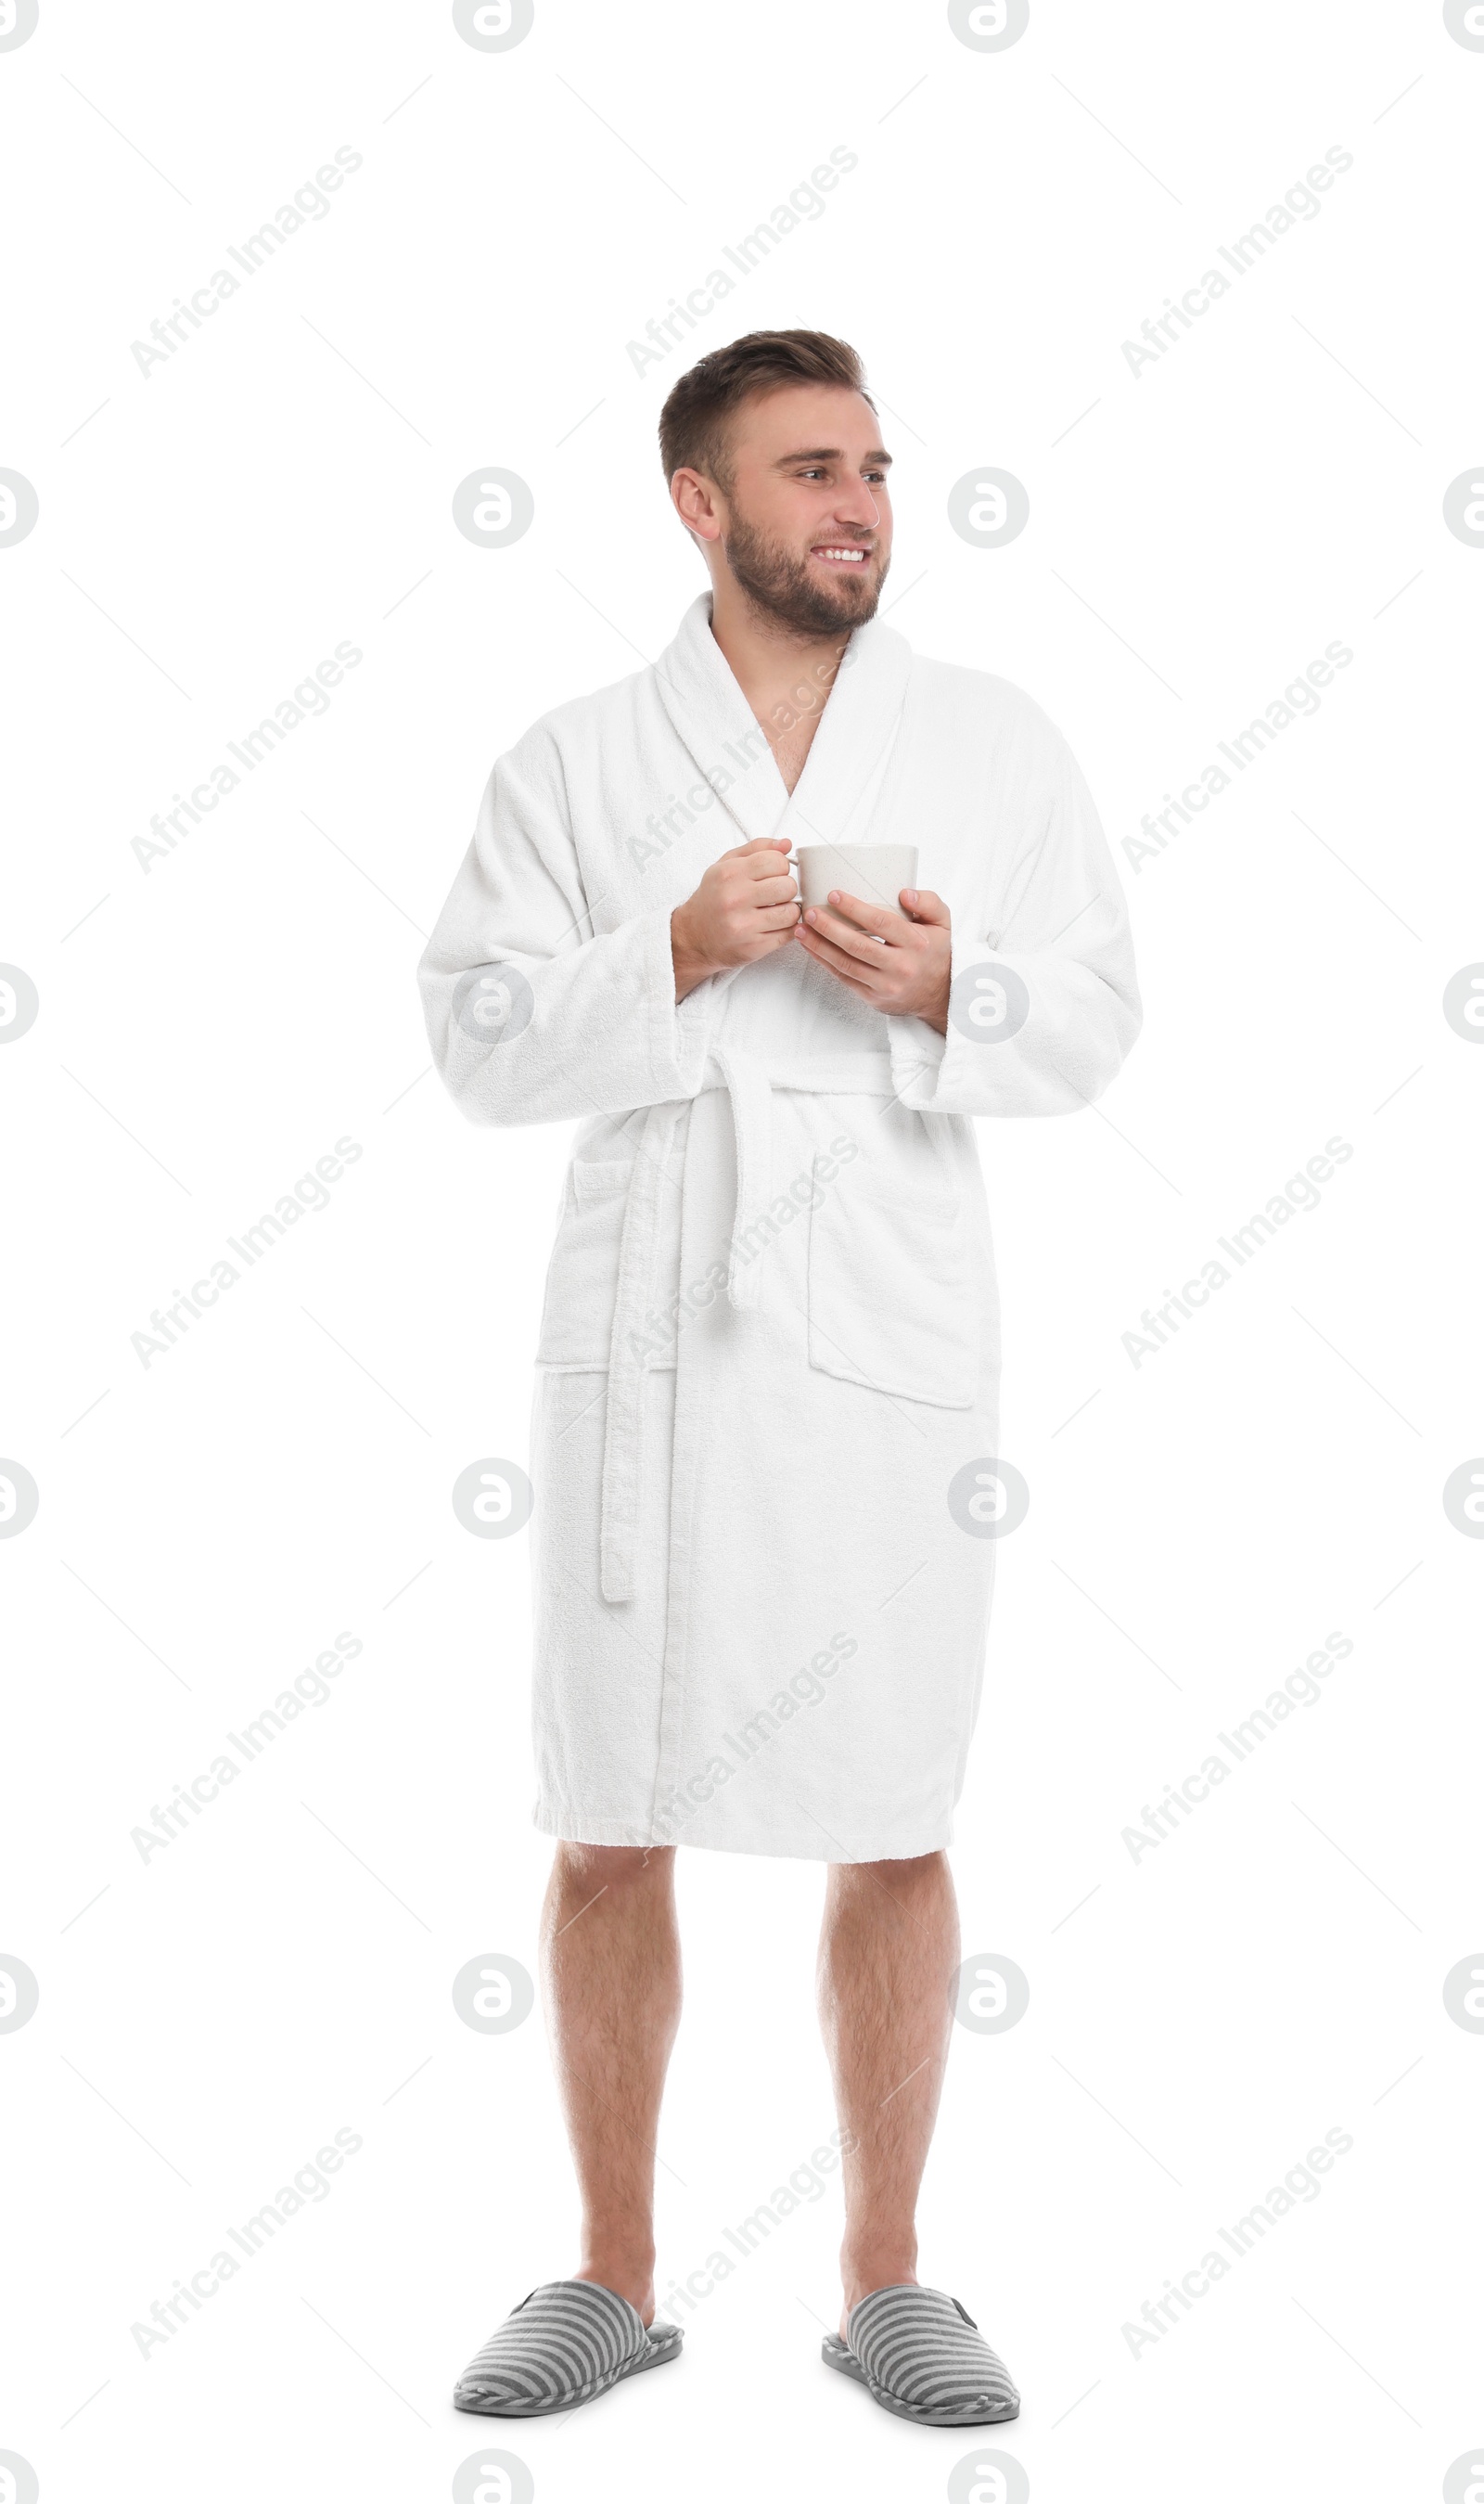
[{"x": 784, "y": 675}]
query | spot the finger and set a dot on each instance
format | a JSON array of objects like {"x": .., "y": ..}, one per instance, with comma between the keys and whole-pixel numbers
[
  {"x": 771, "y": 890},
  {"x": 775, "y": 917},
  {"x": 759, "y": 844},
  {"x": 838, "y": 959},
  {"x": 921, "y": 905},
  {"x": 766, "y": 947},
  {"x": 855, "y": 943},
  {"x": 882, "y": 918},
  {"x": 844, "y": 974}
]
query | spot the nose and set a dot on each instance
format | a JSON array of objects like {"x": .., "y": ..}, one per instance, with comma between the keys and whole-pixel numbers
[{"x": 859, "y": 507}]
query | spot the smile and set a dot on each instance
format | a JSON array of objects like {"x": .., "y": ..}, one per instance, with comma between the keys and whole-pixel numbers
[{"x": 841, "y": 555}]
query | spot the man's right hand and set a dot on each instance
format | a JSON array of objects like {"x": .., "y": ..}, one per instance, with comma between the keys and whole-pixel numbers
[{"x": 746, "y": 906}]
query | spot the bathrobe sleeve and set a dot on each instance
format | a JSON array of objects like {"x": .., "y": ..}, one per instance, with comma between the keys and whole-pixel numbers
[
  {"x": 1045, "y": 1004},
  {"x": 535, "y": 1013}
]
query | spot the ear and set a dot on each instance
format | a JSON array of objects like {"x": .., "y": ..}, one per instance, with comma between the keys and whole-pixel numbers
[{"x": 697, "y": 501}]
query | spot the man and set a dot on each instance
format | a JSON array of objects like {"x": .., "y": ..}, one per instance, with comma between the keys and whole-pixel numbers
[{"x": 765, "y": 1419}]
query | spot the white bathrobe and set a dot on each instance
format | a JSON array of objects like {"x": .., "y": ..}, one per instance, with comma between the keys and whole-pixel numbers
[{"x": 764, "y": 1433}]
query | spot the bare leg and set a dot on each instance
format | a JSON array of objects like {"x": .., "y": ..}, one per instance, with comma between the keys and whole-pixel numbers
[
  {"x": 888, "y": 1952},
  {"x": 610, "y": 1960}
]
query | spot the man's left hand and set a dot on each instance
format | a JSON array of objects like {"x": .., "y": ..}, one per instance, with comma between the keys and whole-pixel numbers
[{"x": 898, "y": 961}]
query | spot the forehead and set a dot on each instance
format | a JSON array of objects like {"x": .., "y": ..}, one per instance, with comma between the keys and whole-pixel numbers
[{"x": 797, "y": 418}]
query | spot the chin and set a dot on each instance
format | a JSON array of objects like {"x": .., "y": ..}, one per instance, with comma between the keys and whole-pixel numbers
[
  {"x": 856, "y": 599},
  {"x": 824, "y": 616},
  {"x": 797, "y": 594}
]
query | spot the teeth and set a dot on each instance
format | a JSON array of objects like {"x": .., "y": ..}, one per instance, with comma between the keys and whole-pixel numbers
[{"x": 845, "y": 556}]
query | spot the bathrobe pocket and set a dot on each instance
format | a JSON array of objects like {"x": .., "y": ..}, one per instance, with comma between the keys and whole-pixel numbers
[
  {"x": 890, "y": 1302},
  {"x": 582, "y": 1278}
]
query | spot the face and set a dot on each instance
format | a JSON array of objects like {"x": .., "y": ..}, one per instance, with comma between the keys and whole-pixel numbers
[{"x": 805, "y": 524}]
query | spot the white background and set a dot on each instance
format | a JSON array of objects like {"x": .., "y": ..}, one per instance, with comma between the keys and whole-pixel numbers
[{"x": 210, "y": 1025}]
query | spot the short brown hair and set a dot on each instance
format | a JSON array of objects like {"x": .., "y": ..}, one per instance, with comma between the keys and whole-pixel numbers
[{"x": 693, "y": 422}]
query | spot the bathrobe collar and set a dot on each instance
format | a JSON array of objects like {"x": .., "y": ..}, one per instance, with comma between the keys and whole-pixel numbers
[{"x": 711, "y": 715}]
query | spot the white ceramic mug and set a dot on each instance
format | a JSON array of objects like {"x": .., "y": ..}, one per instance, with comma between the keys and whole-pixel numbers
[{"x": 875, "y": 872}]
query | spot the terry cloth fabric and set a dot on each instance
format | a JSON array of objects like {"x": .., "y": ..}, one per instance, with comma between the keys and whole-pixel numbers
[
  {"x": 768, "y": 1361},
  {"x": 564, "y": 2345},
  {"x": 921, "y": 2357}
]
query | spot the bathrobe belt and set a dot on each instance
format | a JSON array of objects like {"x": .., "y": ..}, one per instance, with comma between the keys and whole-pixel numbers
[{"x": 749, "y": 1081}]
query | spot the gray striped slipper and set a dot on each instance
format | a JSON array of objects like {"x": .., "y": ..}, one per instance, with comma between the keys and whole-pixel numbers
[
  {"x": 919, "y": 2355},
  {"x": 564, "y": 2345}
]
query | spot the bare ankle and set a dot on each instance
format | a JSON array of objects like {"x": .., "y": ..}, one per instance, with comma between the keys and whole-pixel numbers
[
  {"x": 629, "y": 2273},
  {"x": 863, "y": 2271}
]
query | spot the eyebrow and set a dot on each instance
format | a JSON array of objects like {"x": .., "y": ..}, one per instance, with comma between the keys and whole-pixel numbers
[{"x": 877, "y": 460}]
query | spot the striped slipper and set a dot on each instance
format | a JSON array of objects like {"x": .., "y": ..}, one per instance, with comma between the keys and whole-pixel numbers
[
  {"x": 919, "y": 2355},
  {"x": 564, "y": 2345}
]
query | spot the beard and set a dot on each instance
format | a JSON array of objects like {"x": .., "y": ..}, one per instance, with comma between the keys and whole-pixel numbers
[{"x": 782, "y": 586}]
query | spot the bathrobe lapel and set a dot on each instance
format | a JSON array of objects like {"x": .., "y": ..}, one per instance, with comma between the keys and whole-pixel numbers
[
  {"x": 708, "y": 712},
  {"x": 861, "y": 718},
  {"x": 712, "y": 718}
]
